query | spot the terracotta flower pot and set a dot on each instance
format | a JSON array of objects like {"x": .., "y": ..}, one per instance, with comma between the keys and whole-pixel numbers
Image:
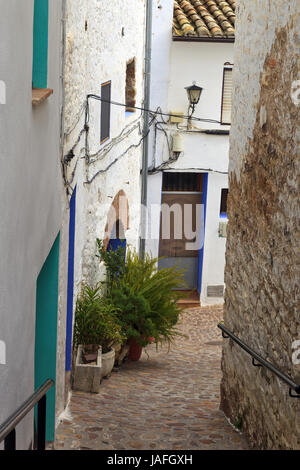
[{"x": 135, "y": 350}]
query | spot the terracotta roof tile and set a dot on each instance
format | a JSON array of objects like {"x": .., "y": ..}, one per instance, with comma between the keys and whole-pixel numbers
[{"x": 204, "y": 18}]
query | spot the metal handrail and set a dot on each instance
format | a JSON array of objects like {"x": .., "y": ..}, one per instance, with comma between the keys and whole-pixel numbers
[
  {"x": 261, "y": 361},
  {"x": 8, "y": 428}
]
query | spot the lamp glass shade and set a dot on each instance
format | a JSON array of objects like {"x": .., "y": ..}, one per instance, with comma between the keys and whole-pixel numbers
[{"x": 194, "y": 93}]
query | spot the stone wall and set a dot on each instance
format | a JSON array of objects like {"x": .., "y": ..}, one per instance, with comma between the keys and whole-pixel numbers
[
  {"x": 101, "y": 38},
  {"x": 263, "y": 244}
]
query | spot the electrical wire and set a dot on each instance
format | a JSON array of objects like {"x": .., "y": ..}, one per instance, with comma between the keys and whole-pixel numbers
[
  {"x": 164, "y": 166},
  {"x": 116, "y": 103},
  {"x": 102, "y": 152},
  {"x": 76, "y": 120},
  {"x": 116, "y": 159}
]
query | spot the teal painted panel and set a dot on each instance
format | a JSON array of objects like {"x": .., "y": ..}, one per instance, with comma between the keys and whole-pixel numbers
[
  {"x": 40, "y": 44},
  {"x": 46, "y": 331}
]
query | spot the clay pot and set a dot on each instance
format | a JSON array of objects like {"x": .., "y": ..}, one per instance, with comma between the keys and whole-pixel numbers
[{"x": 135, "y": 350}]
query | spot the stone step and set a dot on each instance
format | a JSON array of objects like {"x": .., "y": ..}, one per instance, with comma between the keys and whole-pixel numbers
[{"x": 190, "y": 299}]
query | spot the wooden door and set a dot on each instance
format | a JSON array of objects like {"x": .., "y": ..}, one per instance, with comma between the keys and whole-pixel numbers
[{"x": 180, "y": 224}]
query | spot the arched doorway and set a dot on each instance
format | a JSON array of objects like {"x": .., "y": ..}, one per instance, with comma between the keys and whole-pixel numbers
[
  {"x": 117, "y": 237},
  {"x": 117, "y": 223}
]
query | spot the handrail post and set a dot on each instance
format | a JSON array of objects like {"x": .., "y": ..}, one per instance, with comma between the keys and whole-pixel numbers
[
  {"x": 41, "y": 424},
  {"x": 10, "y": 441}
]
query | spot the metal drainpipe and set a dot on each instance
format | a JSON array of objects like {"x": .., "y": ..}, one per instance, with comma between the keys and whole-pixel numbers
[{"x": 146, "y": 129}]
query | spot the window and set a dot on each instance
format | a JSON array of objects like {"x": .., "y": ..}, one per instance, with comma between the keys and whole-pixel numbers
[
  {"x": 223, "y": 208},
  {"x": 226, "y": 95},
  {"x": 105, "y": 112},
  {"x": 191, "y": 182},
  {"x": 130, "y": 92},
  {"x": 40, "y": 44}
]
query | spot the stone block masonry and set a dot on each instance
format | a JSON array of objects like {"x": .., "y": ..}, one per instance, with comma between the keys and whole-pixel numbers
[{"x": 263, "y": 245}]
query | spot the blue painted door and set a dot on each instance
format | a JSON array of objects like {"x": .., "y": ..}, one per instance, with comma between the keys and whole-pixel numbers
[
  {"x": 114, "y": 244},
  {"x": 46, "y": 331}
]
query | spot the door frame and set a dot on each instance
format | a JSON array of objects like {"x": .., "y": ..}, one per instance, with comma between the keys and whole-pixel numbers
[
  {"x": 46, "y": 331},
  {"x": 70, "y": 288},
  {"x": 201, "y": 251}
]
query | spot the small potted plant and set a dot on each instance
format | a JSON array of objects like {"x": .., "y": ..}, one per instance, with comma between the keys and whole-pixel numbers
[
  {"x": 134, "y": 316},
  {"x": 109, "y": 335},
  {"x": 95, "y": 330}
]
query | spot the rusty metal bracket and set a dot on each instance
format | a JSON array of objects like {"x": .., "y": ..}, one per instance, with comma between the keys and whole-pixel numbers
[
  {"x": 254, "y": 364},
  {"x": 292, "y": 395}
]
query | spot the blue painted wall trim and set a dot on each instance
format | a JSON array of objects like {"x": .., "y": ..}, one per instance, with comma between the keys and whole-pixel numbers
[
  {"x": 203, "y": 223},
  {"x": 40, "y": 44},
  {"x": 70, "y": 292}
]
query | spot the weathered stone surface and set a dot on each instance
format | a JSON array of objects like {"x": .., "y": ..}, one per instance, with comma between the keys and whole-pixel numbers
[
  {"x": 86, "y": 376},
  {"x": 263, "y": 245}
]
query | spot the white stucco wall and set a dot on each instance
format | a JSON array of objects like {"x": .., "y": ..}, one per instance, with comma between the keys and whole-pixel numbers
[
  {"x": 29, "y": 196},
  {"x": 94, "y": 57},
  {"x": 203, "y": 63},
  {"x": 175, "y": 65},
  {"x": 214, "y": 246},
  {"x": 101, "y": 38}
]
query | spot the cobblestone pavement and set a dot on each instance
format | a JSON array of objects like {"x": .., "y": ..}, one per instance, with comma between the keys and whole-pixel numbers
[{"x": 169, "y": 400}]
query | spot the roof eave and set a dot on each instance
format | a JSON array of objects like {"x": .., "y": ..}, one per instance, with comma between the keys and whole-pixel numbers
[{"x": 204, "y": 39}]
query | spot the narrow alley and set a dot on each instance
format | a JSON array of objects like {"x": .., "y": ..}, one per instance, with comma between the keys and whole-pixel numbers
[
  {"x": 150, "y": 164},
  {"x": 164, "y": 401}
]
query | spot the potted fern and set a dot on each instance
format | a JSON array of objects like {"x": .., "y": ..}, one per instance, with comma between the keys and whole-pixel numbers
[{"x": 145, "y": 298}]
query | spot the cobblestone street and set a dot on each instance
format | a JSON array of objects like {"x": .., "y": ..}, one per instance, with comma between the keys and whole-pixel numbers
[{"x": 167, "y": 400}]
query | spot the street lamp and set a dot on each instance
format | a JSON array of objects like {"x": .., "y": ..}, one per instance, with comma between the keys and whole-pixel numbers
[{"x": 194, "y": 93}]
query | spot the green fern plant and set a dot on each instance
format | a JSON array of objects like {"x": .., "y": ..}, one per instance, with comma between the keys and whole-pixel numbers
[
  {"x": 114, "y": 262},
  {"x": 96, "y": 320},
  {"x": 145, "y": 297}
]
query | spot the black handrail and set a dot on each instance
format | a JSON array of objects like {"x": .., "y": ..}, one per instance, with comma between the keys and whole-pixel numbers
[
  {"x": 261, "y": 361},
  {"x": 8, "y": 428}
]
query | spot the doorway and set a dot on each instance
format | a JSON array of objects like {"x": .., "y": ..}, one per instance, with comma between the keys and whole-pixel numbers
[
  {"x": 70, "y": 291},
  {"x": 180, "y": 225},
  {"x": 117, "y": 237},
  {"x": 46, "y": 331}
]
